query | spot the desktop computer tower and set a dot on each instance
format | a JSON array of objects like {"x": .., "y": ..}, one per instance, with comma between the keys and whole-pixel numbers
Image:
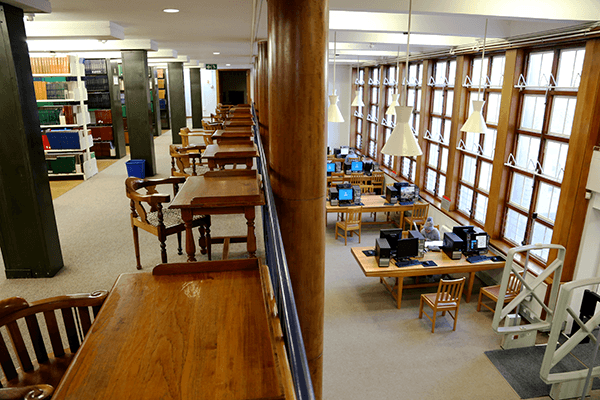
[
  {"x": 391, "y": 194},
  {"x": 453, "y": 245},
  {"x": 333, "y": 196},
  {"x": 383, "y": 252},
  {"x": 356, "y": 189},
  {"x": 338, "y": 166},
  {"x": 417, "y": 235}
]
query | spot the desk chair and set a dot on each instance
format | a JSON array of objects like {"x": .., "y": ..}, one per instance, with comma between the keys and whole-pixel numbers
[
  {"x": 31, "y": 392},
  {"x": 417, "y": 217},
  {"x": 186, "y": 134},
  {"x": 378, "y": 181},
  {"x": 493, "y": 292},
  {"x": 32, "y": 367},
  {"x": 447, "y": 298},
  {"x": 151, "y": 213},
  {"x": 351, "y": 223},
  {"x": 187, "y": 161}
]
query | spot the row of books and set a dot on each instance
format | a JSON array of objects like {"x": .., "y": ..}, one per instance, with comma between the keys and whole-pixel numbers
[
  {"x": 95, "y": 66},
  {"x": 50, "y": 65},
  {"x": 52, "y": 115},
  {"x": 50, "y": 90}
]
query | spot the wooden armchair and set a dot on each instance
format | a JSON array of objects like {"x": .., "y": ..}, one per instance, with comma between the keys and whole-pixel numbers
[
  {"x": 493, "y": 292},
  {"x": 42, "y": 372},
  {"x": 351, "y": 223},
  {"x": 186, "y": 133},
  {"x": 186, "y": 161},
  {"x": 149, "y": 213},
  {"x": 447, "y": 298},
  {"x": 418, "y": 216}
]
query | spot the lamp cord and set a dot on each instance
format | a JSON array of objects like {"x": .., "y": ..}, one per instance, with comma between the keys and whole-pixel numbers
[
  {"x": 482, "y": 58},
  {"x": 334, "y": 52},
  {"x": 404, "y": 86}
]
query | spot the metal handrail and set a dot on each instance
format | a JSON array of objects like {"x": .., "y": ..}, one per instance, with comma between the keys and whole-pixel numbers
[{"x": 282, "y": 285}]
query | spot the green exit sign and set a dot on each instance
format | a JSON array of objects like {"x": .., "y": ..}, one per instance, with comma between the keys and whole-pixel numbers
[{"x": 211, "y": 66}]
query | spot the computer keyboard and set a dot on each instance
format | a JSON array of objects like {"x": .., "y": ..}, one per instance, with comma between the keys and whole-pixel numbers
[
  {"x": 406, "y": 203},
  {"x": 407, "y": 263},
  {"x": 476, "y": 259}
]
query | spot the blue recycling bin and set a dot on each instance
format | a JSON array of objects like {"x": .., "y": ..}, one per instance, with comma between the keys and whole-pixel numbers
[{"x": 136, "y": 168}]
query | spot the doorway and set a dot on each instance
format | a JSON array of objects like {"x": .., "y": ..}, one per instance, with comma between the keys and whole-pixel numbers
[{"x": 233, "y": 86}]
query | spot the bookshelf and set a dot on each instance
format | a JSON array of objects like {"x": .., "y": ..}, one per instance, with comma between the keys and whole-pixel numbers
[
  {"x": 63, "y": 111},
  {"x": 163, "y": 98}
]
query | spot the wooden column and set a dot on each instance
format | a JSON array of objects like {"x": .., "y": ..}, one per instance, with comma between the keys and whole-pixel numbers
[
  {"x": 425, "y": 115},
  {"x": 297, "y": 125},
  {"x": 176, "y": 100},
  {"x": 262, "y": 89},
  {"x": 28, "y": 234},
  {"x": 196, "y": 95},
  {"x": 137, "y": 100}
]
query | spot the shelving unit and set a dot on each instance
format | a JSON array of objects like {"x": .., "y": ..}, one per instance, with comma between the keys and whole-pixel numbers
[
  {"x": 61, "y": 98},
  {"x": 163, "y": 97}
]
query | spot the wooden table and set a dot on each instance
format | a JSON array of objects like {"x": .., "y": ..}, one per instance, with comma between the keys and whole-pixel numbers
[
  {"x": 373, "y": 203},
  {"x": 204, "y": 334},
  {"x": 220, "y": 192},
  {"x": 236, "y": 122},
  {"x": 219, "y": 155},
  {"x": 445, "y": 265},
  {"x": 232, "y": 137}
]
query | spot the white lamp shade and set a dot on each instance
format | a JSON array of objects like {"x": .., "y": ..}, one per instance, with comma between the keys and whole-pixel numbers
[
  {"x": 357, "y": 102},
  {"x": 392, "y": 108},
  {"x": 333, "y": 113},
  {"x": 402, "y": 142},
  {"x": 475, "y": 123}
]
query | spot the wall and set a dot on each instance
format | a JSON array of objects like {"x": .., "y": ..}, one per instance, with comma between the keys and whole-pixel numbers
[
  {"x": 209, "y": 91},
  {"x": 188, "y": 92},
  {"x": 338, "y": 133}
]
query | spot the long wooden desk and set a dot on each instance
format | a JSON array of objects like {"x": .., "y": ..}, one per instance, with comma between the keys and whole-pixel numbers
[
  {"x": 240, "y": 122},
  {"x": 445, "y": 265},
  {"x": 219, "y": 155},
  {"x": 195, "y": 333},
  {"x": 373, "y": 203},
  {"x": 232, "y": 137},
  {"x": 220, "y": 192}
]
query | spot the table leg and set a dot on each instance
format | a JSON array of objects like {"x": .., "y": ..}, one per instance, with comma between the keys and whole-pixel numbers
[
  {"x": 470, "y": 286},
  {"x": 211, "y": 164},
  {"x": 250, "y": 214},
  {"x": 399, "y": 283},
  {"x": 190, "y": 247},
  {"x": 249, "y": 162}
]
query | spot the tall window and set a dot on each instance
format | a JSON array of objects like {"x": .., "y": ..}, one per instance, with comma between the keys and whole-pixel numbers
[
  {"x": 373, "y": 112},
  {"x": 408, "y": 165},
  {"x": 389, "y": 121},
  {"x": 359, "y": 85},
  {"x": 477, "y": 150},
  {"x": 438, "y": 134},
  {"x": 538, "y": 159}
]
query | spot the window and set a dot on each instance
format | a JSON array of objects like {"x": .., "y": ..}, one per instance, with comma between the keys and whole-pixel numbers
[
  {"x": 373, "y": 113},
  {"x": 389, "y": 121},
  {"x": 538, "y": 159},
  {"x": 359, "y": 85},
  {"x": 440, "y": 122},
  {"x": 408, "y": 165}
]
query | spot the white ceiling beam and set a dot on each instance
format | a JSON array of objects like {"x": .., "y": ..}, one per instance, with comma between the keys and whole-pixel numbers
[
  {"x": 31, "y": 6},
  {"x": 163, "y": 53},
  {"x": 91, "y": 45},
  {"x": 556, "y": 10},
  {"x": 183, "y": 59},
  {"x": 101, "y": 30},
  {"x": 395, "y": 39},
  {"x": 192, "y": 63}
]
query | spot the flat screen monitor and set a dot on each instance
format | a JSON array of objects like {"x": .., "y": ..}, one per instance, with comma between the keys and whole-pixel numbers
[
  {"x": 392, "y": 236},
  {"x": 407, "y": 193},
  {"x": 368, "y": 167},
  {"x": 344, "y": 151},
  {"x": 357, "y": 166},
  {"x": 345, "y": 194},
  {"x": 330, "y": 167},
  {"x": 407, "y": 248}
]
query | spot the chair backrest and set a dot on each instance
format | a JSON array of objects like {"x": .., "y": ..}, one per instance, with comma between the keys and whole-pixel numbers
[
  {"x": 450, "y": 291},
  {"x": 16, "y": 315},
  {"x": 420, "y": 211},
  {"x": 152, "y": 197},
  {"x": 353, "y": 215},
  {"x": 184, "y": 134},
  {"x": 356, "y": 179},
  {"x": 514, "y": 285},
  {"x": 377, "y": 178}
]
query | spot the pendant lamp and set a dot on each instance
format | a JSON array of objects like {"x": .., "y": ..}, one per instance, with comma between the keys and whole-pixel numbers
[
  {"x": 358, "y": 101},
  {"x": 476, "y": 123},
  {"x": 392, "y": 107},
  {"x": 402, "y": 142},
  {"x": 333, "y": 113}
]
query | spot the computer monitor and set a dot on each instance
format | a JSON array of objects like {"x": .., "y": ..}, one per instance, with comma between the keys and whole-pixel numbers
[
  {"x": 336, "y": 152},
  {"x": 407, "y": 248},
  {"x": 407, "y": 193},
  {"x": 368, "y": 167},
  {"x": 330, "y": 167},
  {"x": 344, "y": 151},
  {"x": 392, "y": 236},
  {"x": 477, "y": 242},
  {"x": 357, "y": 166},
  {"x": 345, "y": 194},
  {"x": 461, "y": 232}
]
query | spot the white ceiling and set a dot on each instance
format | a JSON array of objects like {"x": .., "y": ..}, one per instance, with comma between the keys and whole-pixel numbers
[{"x": 371, "y": 30}]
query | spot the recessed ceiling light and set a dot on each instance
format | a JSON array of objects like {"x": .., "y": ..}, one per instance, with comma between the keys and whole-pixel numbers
[
  {"x": 228, "y": 65},
  {"x": 171, "y": 10},
  {"x": 216, "y": 53}
]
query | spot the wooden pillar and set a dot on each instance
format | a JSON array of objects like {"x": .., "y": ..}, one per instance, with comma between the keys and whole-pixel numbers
[
  {"x": 262, "y": 89},
  {"x": 196, "y": 95},
  {"x": 28, "y": 234},
  {"x": 137, "y": 100},
  {"x": 297, "y": 125},
  {"x": 176, "y": 100}
]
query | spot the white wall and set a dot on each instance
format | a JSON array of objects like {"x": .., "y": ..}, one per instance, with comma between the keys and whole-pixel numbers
[
  {"x": 209, "y": 91},
  {"x": 338, "y": 133},
  {"x": 188, "y": 92}
]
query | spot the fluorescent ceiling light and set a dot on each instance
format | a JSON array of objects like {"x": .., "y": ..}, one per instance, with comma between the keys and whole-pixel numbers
[
  {"x": 216, "y": 53},
  {"x": 171, "y": 10},
  {"x": 228, "y": 65}
]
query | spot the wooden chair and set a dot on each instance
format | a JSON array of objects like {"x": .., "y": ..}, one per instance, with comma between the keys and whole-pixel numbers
[
  {"x": 44, "y": 368},
  {"x": 186, "y": 133},
  {"x": 31, "y": 392},
  {"x": 378, "y": 181},
  {"x": 447, "y": 298},
  {"x": 493, "y": 292},
  {"x": 418, "y": 216},
  {"x": 351, "y": 223},
  {"x": 186, "y": 161},
  {"x": 149, "y": 213}
]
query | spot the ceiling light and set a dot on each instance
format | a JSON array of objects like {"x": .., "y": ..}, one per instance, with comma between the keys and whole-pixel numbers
[
  {"x": 216, "y": 53},
  {"x": 476, "y": 123},
  {"x": 171, "y": 10},
  {"x": 228, "y": 65},
  {"x": 333, "y": 113}
]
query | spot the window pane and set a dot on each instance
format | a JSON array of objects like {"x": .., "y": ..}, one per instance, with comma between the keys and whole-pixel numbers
[
  {"x": 471, "y": 141},
  {"x": 477, "y": 72},
  {"x": 465, "y": 199},
  {"x": 514, "y": 229},
  {"x": 520, "y": 192},
  {"x": 485, "y": 176},
  {"x": 418, "y": 105},
  {"x": 444, "y": 162},
  {"x": 412, "y": 73},
  {"x": 480, "y": 207},
  {"x": 433, "y": 155},
  {"x": 497, "y": 71},
  {"x": 532, "y": 116},
  {"x": 539, "y": 68},
  {"x": 359, "y": 125},
  {"x": 373, "y": 131},
  {"x": 468, "y": 173},
  {"x": 493, "y": 108},
  {"x": 416, "y": 119},
  {"x": 543, "y": 235},
  {"x": 452, "y": 73},
  {"x": 489, "y": 143},
  {"x": 436, "y": 128},
  {"x": 447, "y": 129},
  {"x": 441, "y": 185},
  {"x": 405, "y": 166},
  {"x": 440, "y": 72},
  {"x": 410, "y": 100},
  {"x": 371, "y": 149},
  {"x": 527, "y": 151},
  {"x": 430, "y": 183},
  {"x": 569, "y": 68},
  {"x": 547, "y": 201},
  {"x": 563, "y": 111},
  {"x": 387, "y": 160},
  {"x": 374, "y": 95},
  {"x": 437, "y": 101},
  {"x": 359, "y": 141},
  {"x": 449, "y": 100},
  {"x": 555, "y": 158},
  {"x": 413, "y": 170}
]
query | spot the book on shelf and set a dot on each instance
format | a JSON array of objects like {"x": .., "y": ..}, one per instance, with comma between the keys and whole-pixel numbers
[{"x": 50, "y": 65}]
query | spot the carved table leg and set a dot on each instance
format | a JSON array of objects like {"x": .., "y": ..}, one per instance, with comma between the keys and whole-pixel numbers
[
  {"x": 250, "y": 213},
  {"x": 190, "y": 247}
]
